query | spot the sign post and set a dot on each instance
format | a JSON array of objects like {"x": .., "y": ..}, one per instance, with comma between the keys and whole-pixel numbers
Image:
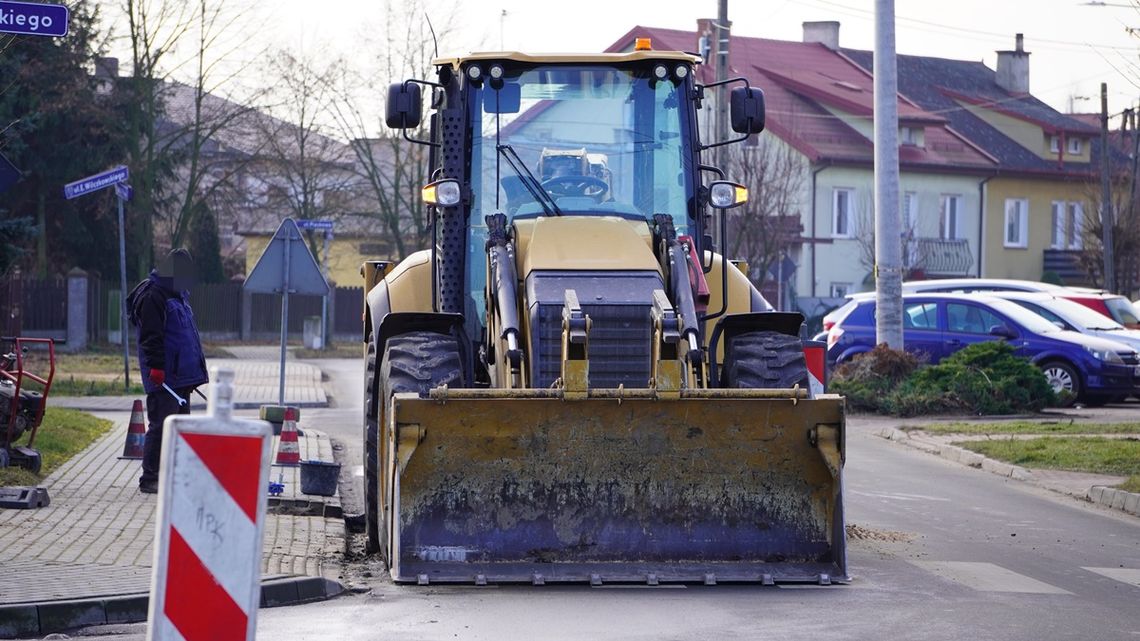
[
  {"x": 33, "y": 19},
  {"x": 211, "y": 519},
  {"x": 298, "y": 274},
  {"x": 116, "y": 178}
]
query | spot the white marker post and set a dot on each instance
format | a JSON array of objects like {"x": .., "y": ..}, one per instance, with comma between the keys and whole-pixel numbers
[{"x": 211, "y": 518}]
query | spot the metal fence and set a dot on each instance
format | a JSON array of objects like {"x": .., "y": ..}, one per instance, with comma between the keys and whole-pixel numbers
[{"x": 39, "y": 308}]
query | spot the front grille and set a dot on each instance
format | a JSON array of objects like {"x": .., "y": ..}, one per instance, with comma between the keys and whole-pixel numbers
[
  {"x": 621, "y": 331},
  {"x": 620, "y": 347},
  {"x": 1129, "y": 358}
]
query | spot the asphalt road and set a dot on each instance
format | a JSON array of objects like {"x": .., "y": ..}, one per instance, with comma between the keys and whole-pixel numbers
[{"x": 949, "y": 553}]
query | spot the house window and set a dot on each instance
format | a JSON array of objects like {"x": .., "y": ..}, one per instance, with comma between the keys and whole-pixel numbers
[
  {"x": 1016, "y": 222},
  {"x": 1075, "y": 227},
  {"x": 950, "y": 220},
  {"x": 1075, "y": 146},
  {"x": 910, "y": 212},
  {"x": 1055, "y": 144},
  {"x": 840, "y": 290},
  {"x": 1057, "y": 235},
  {"x": 842, "y": 219}
]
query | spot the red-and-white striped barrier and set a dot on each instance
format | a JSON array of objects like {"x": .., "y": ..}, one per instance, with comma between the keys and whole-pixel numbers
[
  {"x": 208, "y": 536},
  {"x": 815, "y": 353}
]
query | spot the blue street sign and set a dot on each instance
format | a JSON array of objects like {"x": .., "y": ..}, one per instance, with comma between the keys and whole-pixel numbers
[
  {"x": 33, "y": 19},
  {"x": 89, "y": 184},
  {"x": 325, "y": 225},
  {"x": 8, "y": 173},
  {"x": 124, "y": 191}
]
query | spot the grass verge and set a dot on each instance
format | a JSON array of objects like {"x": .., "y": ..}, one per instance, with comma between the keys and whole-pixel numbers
[
  {"x": 338, "y": 350},
  {"x": 63, "y": 434},
  {"x": 1029, "y": 427},
  {"x": 1096, "y": 455},
  {"x": 1132, "y": 484},
  {"x": 72, "y": 386}
]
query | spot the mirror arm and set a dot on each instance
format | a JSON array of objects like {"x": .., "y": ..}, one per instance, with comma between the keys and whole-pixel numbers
[
  {"x": 730, "y": 141},
  {"x": 417, "y": 141}
]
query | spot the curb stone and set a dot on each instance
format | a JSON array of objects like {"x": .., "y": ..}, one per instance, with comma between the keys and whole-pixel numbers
[
  {"x": 34, "y": 619},
  {"x": 958, "y": 455},
  {"x": 1109, "y": 497},
  {"x": 1116, "y": 499}
]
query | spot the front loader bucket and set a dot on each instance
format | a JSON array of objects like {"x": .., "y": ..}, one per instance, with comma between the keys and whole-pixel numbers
[{"x": 524, "y": 486}]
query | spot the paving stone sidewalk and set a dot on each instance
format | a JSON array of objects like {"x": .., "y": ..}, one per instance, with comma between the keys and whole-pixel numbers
[
  {"x": 256, "y": 383},
  {"x": 95, "y": 539}
]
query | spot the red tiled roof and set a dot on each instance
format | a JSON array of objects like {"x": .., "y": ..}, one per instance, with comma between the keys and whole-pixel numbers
[{"x": 802, "y": 81}]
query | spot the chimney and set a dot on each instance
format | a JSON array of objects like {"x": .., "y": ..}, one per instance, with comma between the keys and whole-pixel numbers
[
  {"x": 825, "y": 32},
  {"x": 106, "y": 67},
  {"x": 1013, "y": 68}
]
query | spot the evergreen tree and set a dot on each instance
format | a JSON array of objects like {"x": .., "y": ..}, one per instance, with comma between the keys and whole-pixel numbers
[
  {"x": 205, "y": 246},
  {"x": 57, "y": 125}
]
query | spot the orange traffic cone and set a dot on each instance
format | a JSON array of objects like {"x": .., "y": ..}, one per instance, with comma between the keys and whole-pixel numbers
[
  {"x": 136, "y": 433},
  {"x": 288, "y": 449}
]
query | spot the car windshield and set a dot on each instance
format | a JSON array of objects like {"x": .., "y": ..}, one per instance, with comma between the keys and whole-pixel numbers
[
  {"x": 1079, "y": 315},
  {"x": 587, "y": 139},
  {"x": 1122, "y": 310},
  {"x": 1022, "y": 316}
]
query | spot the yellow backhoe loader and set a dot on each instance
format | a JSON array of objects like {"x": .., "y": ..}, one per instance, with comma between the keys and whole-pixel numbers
[{"x": 573, "y": 384}]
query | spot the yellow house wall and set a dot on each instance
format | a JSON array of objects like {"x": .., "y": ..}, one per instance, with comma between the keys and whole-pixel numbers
[
  {"x": 345, "y": 257},
  {"x": 1024, "y": 263}
]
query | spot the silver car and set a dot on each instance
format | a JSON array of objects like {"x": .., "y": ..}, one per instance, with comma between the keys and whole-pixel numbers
[{"x": 1073, "y": 316}]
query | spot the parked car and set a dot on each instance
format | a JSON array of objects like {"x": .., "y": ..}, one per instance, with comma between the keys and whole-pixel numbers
[
  {"x": 1092, "y": 369},
  {"x": 1115, "y": 307},
  {"x": 1073, "y": 316},
  {"x": 1111, "y": 305}
]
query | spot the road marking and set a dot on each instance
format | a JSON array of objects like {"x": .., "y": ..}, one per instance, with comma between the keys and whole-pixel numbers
[
  {"x": 1124, "y": 575},
  {"x": 899, "y": 496},
  {"x": 987, "y": 577}
]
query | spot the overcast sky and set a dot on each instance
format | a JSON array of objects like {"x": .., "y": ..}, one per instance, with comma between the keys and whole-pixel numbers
[{"x": 1074, "y": 46}]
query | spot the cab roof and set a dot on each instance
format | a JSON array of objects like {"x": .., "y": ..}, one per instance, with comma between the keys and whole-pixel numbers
[{"x": 570, "y": 58}]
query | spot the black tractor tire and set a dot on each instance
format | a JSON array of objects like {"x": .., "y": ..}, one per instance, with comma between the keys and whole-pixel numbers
[
  {"x": 413, "y": 362},
  {"x": 764, "y": 360},
  {"x": 371, "y": 451}
]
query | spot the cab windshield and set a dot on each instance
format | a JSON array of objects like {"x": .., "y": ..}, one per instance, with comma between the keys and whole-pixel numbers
[{"x": 580, "y": 140}]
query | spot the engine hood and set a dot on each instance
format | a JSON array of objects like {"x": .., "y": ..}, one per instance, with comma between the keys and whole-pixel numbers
[{"x": 593, "y": 243}]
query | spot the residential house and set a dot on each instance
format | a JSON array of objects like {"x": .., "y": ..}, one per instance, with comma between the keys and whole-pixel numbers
[
  {"x": 1037, "y": 200},
  {"x": 819, "y": 106}
]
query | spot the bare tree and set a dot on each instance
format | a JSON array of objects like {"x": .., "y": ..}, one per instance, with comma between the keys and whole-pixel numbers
[
  {"x": 912, "y": 259},
  {"x": 764, "y": 229},
  {"x": 181, "y": 54},
  {"x": 393, "y": 169},
  {"x": 304, "y": 170}
]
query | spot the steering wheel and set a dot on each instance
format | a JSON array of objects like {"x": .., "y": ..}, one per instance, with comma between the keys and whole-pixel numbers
[{"x": 588, "y": 186}]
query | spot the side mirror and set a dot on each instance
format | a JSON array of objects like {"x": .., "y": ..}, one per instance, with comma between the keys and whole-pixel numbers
[
  {"x": 405, "y": 105},
  {"x": 746, "y": 110},
  {"x": 1003, "y": 331}
]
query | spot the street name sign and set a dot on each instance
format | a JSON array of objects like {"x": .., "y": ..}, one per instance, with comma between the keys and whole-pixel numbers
[
  {"x": 33, "y": 19},
  {"x": 99, "y": 181},
  {"x": 323, "y": 225}
]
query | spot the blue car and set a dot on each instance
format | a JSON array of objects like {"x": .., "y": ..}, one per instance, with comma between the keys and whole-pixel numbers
[{"x": 1093, "y": 370}]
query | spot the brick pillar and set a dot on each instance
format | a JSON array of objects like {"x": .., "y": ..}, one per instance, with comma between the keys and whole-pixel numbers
[{"x": 77, "y": 310}]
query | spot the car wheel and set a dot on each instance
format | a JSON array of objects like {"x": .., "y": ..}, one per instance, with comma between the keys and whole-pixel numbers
[{"x": 1064, "y": 380}]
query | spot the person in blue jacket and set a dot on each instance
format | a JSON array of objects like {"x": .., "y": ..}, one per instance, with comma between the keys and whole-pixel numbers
[{"x": 170, "y": 351}]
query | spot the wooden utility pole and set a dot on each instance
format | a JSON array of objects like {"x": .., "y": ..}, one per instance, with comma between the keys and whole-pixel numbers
[{"x": 1106, "y": 218}]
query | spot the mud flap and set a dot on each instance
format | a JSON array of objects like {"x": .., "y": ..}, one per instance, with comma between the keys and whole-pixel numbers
[{"x": 523, "y": 486}]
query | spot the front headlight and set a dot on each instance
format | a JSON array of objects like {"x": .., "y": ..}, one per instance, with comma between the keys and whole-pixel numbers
[{"x": 1106, "y": 355}]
